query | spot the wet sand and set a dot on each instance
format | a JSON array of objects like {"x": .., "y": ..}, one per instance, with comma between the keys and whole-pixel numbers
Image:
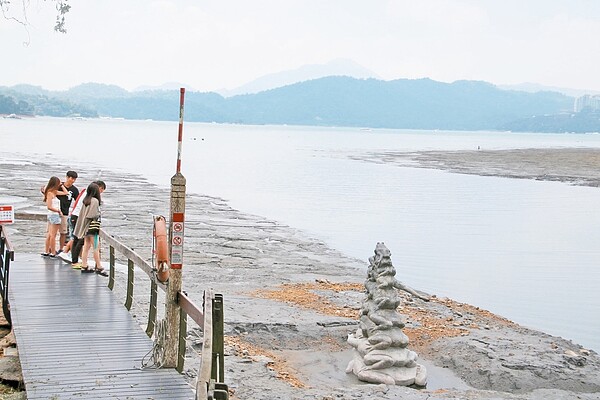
[
  {"x": 290, "y": 301},
  {"x": 577, "y": 166}
]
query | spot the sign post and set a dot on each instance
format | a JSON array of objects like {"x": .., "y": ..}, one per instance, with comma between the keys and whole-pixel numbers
[{"x": 176, "y": 230}]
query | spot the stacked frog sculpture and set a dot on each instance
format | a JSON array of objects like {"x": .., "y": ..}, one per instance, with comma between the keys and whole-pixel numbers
[{"x": 381, "y": 348}]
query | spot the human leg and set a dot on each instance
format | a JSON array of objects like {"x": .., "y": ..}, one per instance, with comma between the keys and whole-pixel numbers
[
  {"x": 52, "y": 231},
  {"x": 96, "y": 244},
  {"x": 47, "y": 240},
  {"x": 76, "y": 249},
  {"x": 64, "y": 227},
  {"x": 87, "y": 242},
  {"x": 67, "y": 247},
  {"x": 99, "y": 268},
  {"x": 71, "y": 221}
]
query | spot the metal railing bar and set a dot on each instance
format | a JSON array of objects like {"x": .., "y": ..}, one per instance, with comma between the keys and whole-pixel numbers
[
  {"x": 218, "y": 358},
  {"x": 152, "y": 311},
  {"x": 203, "y": 382},
  {"x": 130, "y": 277},
  {"x": 131, "y": 255},
  {"x": 111, "y": 273},
  {"x": 191, "y": 308},
  {"x": 6, "y": 245},
  {"x": 7, "y": 255},
  {"x": 181, "y": 343}
]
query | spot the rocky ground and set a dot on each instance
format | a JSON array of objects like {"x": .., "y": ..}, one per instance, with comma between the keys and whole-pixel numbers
[{"x": 290, "y": 301}]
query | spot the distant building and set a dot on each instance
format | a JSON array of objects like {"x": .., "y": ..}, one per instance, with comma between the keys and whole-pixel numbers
[{"x": 587, "y": 101}]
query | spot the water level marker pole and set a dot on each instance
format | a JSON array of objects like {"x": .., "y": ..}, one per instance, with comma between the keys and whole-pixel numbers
[
  {"x": 180, "y": 133},
  {"x": 173, "y": 356}
]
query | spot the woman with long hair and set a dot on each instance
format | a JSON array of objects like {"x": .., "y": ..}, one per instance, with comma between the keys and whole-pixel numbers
[
  {"x": 88, "y": 217},
  {"x": 53, "y": 205}
]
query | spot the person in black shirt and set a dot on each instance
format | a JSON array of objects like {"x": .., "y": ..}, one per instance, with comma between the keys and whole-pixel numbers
[{"x": 65, "y": 204}]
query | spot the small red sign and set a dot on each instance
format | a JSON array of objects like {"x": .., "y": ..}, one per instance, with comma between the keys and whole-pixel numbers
[
  {"x": 7, "y": 215},
  {"x": 177, "y": 217}
]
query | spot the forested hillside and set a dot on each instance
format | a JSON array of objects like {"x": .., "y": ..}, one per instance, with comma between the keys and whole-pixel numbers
[{"x": 330, "y": 101}]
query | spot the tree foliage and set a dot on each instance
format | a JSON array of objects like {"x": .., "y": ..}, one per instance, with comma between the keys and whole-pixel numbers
[
  {"x": 16, "y": 10},
  {"x": 13, "y": 102}
]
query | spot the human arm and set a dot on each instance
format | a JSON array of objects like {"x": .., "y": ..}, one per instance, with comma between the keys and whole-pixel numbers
[{"x": 62, "y": 191}]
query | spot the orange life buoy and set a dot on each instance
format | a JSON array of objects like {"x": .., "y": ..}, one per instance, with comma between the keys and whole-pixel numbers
[{"x": 161, "y": 248}]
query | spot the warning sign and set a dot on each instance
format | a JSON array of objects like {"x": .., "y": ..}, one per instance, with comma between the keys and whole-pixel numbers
[
  {"x": 7, "y": 215},
  {"x": 176, "y": 258},
  {"x": 177, "y": 240}
]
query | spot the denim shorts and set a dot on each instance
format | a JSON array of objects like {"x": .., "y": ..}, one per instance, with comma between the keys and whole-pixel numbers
[{"x": 54, "y": 219}]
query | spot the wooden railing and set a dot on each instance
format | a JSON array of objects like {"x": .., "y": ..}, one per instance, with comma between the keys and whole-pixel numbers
[
  {"x": 211, "y": 374},
  {"x": 7, "y": 255}
]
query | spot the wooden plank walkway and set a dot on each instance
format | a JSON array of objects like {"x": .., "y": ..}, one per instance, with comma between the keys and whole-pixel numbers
[{"x": 76, "y": 340}]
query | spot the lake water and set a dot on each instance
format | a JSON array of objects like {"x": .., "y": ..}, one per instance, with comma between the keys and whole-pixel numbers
[{"x": 527, "y": 250}]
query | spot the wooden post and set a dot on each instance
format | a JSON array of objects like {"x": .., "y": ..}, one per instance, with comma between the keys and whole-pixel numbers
[
  {"x": 172, "y": 309},
  {"x": 174, "y": 284}
]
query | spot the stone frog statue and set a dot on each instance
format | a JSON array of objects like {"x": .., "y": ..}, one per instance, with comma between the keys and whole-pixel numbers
[
  {"x": 377, "y": 359},
  {"x": 383, "y": 318},
  {"x": 381, "y": 275},
  {"x": 381, "y": 347},
  {"x": 392, "y": 375}
]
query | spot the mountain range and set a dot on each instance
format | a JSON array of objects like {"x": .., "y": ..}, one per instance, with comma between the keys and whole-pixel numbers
[
  {"x": 324, "y": 101},
  {"x": 337, "y": 67}
]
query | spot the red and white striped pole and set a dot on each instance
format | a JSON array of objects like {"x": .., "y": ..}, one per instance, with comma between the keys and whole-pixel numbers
[
  {"x": 178, "y": 199},
  {"x": 180, "y": 139}
]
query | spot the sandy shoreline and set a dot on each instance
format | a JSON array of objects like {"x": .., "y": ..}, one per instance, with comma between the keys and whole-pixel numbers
[
  {"x": 577, "y": 166},
  {"x": 289, "y": 341}
]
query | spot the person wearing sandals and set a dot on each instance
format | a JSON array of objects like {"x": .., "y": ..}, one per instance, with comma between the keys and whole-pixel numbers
[
  {"x": 51, "y": 191},
  {"x": 88, "y": 217},
  {"x": 75, "y": 244}
]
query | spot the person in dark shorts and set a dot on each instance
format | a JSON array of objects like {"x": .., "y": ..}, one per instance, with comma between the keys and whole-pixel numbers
[{"x": 65, "y": 205}]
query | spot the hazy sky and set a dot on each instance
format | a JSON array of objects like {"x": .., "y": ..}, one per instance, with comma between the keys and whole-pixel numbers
[{"x": 212, "y": 45}]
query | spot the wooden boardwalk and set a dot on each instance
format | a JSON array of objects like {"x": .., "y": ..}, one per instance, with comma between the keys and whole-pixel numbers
[{"x": 76, "y": 340}]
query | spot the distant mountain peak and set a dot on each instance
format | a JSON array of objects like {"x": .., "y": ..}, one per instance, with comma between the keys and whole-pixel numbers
[
  {"x": 165, "y": 86},
  {"x": 336, "y": 67},
  {"x": 96, "y": 90}
]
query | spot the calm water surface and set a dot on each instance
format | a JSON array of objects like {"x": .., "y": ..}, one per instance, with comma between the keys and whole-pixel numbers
[{"x": 524, "y": 249}]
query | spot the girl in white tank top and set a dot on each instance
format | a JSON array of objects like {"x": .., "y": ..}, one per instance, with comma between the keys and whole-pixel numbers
[{"x": 53, "y": 205}]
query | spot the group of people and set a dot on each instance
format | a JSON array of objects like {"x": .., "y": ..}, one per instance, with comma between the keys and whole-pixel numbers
[{"x": 75, "y": 216}]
